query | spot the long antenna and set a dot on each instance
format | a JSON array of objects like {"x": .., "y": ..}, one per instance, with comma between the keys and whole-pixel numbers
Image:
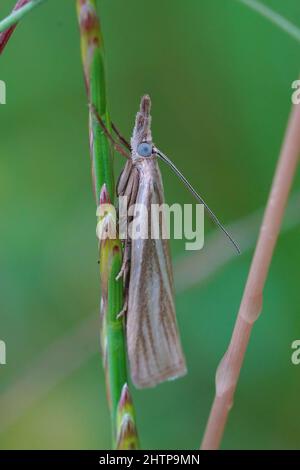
[{"x": 197, "y": 196}]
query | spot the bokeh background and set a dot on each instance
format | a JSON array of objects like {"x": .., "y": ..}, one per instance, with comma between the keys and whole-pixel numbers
[{"x": 220, "y": 79}]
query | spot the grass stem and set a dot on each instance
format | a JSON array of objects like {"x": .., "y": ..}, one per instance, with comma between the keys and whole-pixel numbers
[
  {"x": 124, "y": 432},
  {"x": 18, "y": 13},
  {"x": 228, "y": 372}
]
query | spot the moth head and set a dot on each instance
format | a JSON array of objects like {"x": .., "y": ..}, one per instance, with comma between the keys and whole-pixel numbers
[{"x": 141, "y": 141}]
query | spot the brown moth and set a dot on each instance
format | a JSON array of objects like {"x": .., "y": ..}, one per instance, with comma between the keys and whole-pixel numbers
[{"x": 153, "y": 341}]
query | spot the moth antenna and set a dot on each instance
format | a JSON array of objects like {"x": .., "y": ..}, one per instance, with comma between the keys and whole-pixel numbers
[{"x": 197, "y": 196}]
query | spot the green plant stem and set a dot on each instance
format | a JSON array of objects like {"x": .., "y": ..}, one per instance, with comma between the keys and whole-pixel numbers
[
  {"x": 17, "y": 15},
  {"x": 112, "y": 327}
]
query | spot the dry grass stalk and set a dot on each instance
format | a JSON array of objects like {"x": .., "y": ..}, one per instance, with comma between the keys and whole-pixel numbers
[{"x": 251, "y": 305}]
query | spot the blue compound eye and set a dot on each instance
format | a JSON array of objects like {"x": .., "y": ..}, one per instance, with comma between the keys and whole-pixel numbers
[{"x": 145, "y": 149}]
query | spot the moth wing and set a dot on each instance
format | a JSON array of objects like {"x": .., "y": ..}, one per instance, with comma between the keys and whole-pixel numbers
[{"x": 153, "y": 342}]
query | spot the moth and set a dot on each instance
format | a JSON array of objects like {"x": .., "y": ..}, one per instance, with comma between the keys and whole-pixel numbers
[{"x": 153, "y": 340}]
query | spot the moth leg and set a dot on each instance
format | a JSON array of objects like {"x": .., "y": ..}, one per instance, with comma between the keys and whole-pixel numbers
[
  {"x": 125, "y": 272},
  {"x": 124, "y": 309},
  {"x": 120, "y": 137},
  {"x": 117, "y": 147},
  {"x": 124, "y": 179},
  {"x": 126, "y": 261},
  {"x": 132, "y": 189},
  {"x": 128, "y": 186}
]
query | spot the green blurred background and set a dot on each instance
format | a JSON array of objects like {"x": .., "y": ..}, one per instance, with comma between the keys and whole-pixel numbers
[{"x": 220, "y": 80}]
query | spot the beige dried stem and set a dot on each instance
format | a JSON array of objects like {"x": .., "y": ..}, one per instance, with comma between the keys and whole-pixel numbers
[{"x": 251, "y": 305}]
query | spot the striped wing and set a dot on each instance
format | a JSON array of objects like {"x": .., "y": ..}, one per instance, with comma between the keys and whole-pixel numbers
[{"x": 153, "y": 342}]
